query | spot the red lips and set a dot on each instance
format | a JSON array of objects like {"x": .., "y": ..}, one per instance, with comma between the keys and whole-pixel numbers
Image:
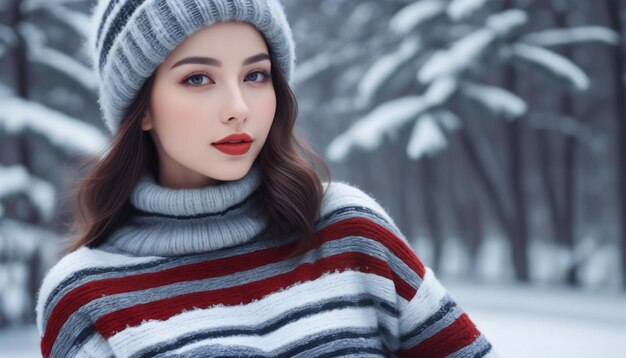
[
  {"x": 234, "y": 144},
  {"x": 243, "y": 137}
]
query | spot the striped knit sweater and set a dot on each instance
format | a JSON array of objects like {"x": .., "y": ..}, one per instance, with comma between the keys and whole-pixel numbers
[{"x": 193, "y": 274}]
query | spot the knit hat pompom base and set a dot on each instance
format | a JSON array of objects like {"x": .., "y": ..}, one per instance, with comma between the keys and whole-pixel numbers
[{"x": 131, "y": 38}]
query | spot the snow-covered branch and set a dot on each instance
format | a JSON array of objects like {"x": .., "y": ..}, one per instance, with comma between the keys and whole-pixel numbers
[
  {"x": 66, "y": 132},
  {"x": 384, "y": 67},
  {"x": 506, "y": 22},
  {"x": 573, "y": 36},
  {"x": 40, "y": 53},
  {"x": 462, "y": 9},
  {"x": 411, "y": 16},
  {"x": 76, "y": 20},
  {"x": 325, "y": 60},
  {"x": 17, "y": 179},
  {"x": 426, "y": 137},
  {"x": 7, "y": 35},
  {"x": 19, "y": 240},
  {"x": 553, "y": 64},
  {"x": 368, "y": 132},
  {"x": 500, "y": 102},
  {"x": 460, "y": 56}
]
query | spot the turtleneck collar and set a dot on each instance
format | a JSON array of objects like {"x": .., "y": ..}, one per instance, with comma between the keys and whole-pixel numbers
[{"x": 172, "y": 222}]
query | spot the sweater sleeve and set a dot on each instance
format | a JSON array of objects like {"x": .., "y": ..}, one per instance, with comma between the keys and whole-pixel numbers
[
  {"x": 430, "y": 323},
  {"x": 64, "y": 330}
]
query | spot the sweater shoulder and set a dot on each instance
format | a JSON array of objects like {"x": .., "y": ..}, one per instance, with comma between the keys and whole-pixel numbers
[
  {"x": 353, "y": 212},
  {"x": 347, "y": 201},
  {"x": 72, "y": 271}
]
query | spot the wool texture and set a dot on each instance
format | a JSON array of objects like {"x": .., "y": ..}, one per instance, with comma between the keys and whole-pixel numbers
[
  {"x": 129, "y": 39},
  {"x": 170, "y": 283}
]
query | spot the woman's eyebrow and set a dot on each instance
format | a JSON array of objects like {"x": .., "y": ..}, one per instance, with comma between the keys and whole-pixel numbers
[{"x": 215, "y": 62}]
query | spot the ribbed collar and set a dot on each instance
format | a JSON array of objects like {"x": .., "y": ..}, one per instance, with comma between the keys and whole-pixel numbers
[{"x": 172, "y": 222}]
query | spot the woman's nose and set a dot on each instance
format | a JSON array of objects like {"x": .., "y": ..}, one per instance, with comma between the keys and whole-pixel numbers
[{"x": 235, "y": 106}]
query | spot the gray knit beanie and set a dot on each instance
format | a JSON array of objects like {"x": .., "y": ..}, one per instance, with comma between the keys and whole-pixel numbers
[{"x": 131, "y": 38}]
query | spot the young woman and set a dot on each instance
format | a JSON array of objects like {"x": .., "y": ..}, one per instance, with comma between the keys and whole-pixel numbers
[{"x": 205, "y": 231}]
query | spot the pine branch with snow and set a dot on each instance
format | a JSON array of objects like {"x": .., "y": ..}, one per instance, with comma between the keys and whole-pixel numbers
[
  {"x": 384, "y": 67},
  {"x": 467, "y": 51},
  {"x": 442, "y": 69},
  {"x": 553, "y": 64},
  {"x": 573, "y": 36},
  {"x": 414, "y": 15},
  {"x": 459, "y": 57},
  {"x": 499, "y": 101},
  {"x": 427, "y": 137},
  {"x": 60, "y": 129},
  {"x": 39, "y": 52},
  {"x": 461, "y": 9},
  {"x": 16, "y": 179},
  {"x": 368, "y": 132}
]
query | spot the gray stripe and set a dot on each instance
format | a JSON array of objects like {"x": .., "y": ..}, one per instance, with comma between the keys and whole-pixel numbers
[
  {"x": 65, "y": 341},
  {"x": 367, "y": 302},
  {"x": 309, "y": 346}
]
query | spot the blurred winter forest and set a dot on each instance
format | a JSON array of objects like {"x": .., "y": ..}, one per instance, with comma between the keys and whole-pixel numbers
[{"x": 493, "y": 131}]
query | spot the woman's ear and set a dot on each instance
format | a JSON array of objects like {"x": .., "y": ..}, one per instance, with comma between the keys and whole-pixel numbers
[{"x": 146, "y": 121}]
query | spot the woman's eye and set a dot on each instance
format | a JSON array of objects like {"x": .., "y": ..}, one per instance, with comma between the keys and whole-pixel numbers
[
  {"x": 264, "y": 76},
  {"x": 197, "y": 80}
]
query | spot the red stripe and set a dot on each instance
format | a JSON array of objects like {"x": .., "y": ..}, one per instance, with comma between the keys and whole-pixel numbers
[
  {"x": 451, "y": 339},
  {"x": 116, "y": 321},
  {"x": 82, "y": 295}
]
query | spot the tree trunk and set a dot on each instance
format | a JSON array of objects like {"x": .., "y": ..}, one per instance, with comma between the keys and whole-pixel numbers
[
  {"x": 488, "y": 182},
  {"x": 19, "y": 51},
  {"x": 518, "y": 199},
  {"x": 614, "y": 9},
  {"x": 465, "y": 206},
  {"x": 516, "y": 176},
  {"x": 566, "y": 230},
  {"x": 431, "y": 207}
]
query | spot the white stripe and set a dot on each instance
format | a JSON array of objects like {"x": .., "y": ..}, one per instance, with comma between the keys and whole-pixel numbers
[
  {"x": 95, "y": 347},
  {"x": 342, "y": 195},
  {"x": 288, "y": 334},
  {"x": 80, "y": 259},
  {"x": 331, "y": 285},
  {"x": 425, "y": 303}
]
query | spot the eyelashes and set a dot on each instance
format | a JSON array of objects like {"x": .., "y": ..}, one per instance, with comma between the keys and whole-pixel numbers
[
  {"x": 266, "y": 75},
  {"x": 192, "y": 79}
]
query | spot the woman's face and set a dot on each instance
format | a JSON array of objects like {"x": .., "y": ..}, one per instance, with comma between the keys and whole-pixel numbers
[{"x": 215, "y": 84}]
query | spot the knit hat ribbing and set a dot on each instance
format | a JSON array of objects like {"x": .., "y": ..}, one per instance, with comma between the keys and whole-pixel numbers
[{"x": 131, "y": 38}]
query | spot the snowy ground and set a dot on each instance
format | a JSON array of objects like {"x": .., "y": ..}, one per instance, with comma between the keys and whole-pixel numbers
[
  {"x": 19, "y": 342},
  {"x": 520, "y": 321},
  {"x": 524, "y": 321}
]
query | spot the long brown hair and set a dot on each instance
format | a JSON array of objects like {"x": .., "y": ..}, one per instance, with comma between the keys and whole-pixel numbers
[{"x": 291, "y": 191}]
